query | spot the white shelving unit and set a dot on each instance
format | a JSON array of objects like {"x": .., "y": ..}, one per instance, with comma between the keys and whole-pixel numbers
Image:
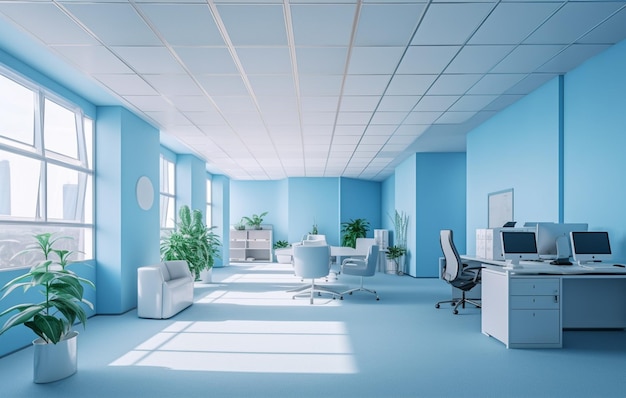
[{"x": 251, "y": 244}]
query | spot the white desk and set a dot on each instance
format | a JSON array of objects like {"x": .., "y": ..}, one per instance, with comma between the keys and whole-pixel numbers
[{"x": 529, "y": 307}]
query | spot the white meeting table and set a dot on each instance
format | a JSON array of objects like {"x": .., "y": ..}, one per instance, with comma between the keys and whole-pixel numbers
[{"x": 529, "y": 307}]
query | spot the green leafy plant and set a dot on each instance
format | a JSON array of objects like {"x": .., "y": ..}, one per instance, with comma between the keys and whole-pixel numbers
[
  {"x": 281, "y": 244},
  {"x": 314, "y": 230},
  {"x": 240, "y": 226},
  {"x": 352, "y": 230},
  {"x": 400, "y": 224},
  {"x": 394, "y": 253},
  {"x": 191, "y": 241},
  {"x": 62, "y": 289},
  {"x": 256, "y": 220}
]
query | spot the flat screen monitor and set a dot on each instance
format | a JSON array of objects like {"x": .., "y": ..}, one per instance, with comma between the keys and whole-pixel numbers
[
  {"x": 547, "y": 235},
  {"x": 590, "y": 246},
  {"x": 519, "y": 245}
]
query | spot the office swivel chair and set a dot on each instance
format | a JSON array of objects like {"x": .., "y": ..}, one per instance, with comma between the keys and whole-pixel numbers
[
  {"x": 361, "y": 267},
  {"x": 457, "y": 274},
  {"x": 312, "y": 262}
]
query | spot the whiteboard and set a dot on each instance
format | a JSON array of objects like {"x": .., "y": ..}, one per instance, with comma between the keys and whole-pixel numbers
[{"x": 500, "y": 208}]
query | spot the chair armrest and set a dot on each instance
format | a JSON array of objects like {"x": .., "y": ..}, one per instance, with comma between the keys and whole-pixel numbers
[{"x": 353, "y": 262}]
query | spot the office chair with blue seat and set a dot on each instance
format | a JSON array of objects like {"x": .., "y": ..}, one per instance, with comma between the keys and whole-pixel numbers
[
  {"x": 361, "y": 267},
  {"x": 457, "y": 274},
  {"x": 312, "y": 262}
]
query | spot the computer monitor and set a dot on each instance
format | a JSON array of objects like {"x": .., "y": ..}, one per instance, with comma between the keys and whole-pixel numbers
[
  {"x": 590, "y": 246},
  {"x": 549, "y": 233},
  {"x": 518, "y": 245}
]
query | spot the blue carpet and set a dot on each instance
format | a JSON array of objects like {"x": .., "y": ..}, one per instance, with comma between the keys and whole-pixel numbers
[{"x": 246, "y": 337}]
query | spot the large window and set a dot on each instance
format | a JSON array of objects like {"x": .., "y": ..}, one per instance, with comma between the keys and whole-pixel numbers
[
  {"x": 46, "y": 172},
  {"x": 167, "y": 194}
]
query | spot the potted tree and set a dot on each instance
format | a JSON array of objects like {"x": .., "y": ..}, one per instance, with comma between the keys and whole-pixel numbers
[
  {"x": 53, "y": 318},
  {"x": 352, "y": 230},
  {"x": 193, "y": 242},
  {"x": 255, "y": 221},
  {"x": 395, "y": 254}
]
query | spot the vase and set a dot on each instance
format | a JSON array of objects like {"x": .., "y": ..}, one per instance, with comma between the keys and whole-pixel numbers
[
  {"x": 391, "y": 267},
  {"x": 206, "y": 275},
  {"x": 55, "y": 361}
]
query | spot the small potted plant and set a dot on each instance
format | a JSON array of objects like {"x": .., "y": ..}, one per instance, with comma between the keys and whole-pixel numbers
[
  {"x": 240, "y": 226},
  {"x": 53, "y": 318},
  {"x": 282, "y": 256},
  {"x": 395, "y": 256},
  {"x": 255, "y": 221},
  {"x": 352, "y": 230}
]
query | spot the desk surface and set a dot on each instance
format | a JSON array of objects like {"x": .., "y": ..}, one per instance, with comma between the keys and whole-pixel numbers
[{"x": 544, "y": 267}]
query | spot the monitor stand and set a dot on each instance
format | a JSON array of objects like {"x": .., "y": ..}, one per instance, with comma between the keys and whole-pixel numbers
[
  {"x": 561, "y": 261},
  {"x": 512, "y": 264}
]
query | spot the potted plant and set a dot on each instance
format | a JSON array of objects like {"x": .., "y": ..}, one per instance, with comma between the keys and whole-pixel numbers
[
  {"x": 282, "y": 257},
  {"x": 314, "y": 230},
  {"x": 395, "y": 255},
  {"x": 400, "y": 224},
  {"x": 240, "y": 226},
  {"x": 53, "y": 318},
  {"x": 255, "y": 221},
  {"x": 193, "y": 242},
  {"x": 352, "y": 230}
]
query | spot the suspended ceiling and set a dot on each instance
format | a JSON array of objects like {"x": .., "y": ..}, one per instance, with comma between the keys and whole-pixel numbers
[{"x": 274, "y": 89}]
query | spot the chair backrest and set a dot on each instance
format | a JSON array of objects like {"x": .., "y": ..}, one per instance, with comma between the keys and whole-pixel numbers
[
  {"x": 453, "y": 261},
  {"x": 311, "y": 261},
  {"x": 363, "y": 245},
  {"x": 371, "y": 260},
  {"x": 316, "y": 237}
]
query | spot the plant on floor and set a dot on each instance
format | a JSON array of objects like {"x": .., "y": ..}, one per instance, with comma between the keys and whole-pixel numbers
[
  {"x": 352, "y": 230},
  {"x": 395, "y": 253},
  {"x": 191, "y": 241},
  {"x": 281, "y": 244},
  {"x": 256, "y": 220},
  {"x": 53, "y": 318}
]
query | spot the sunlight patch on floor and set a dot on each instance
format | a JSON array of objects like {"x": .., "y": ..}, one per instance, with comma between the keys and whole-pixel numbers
[{"x": 247, "y": 346}]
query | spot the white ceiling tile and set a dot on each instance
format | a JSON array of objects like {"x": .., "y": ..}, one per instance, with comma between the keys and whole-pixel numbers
[
  {"x": 274, "y": 85},
  {"x": 257, "y": 25},
  {"x": 454, "y": 117},
  {"x": 321, "y": 60},
  {"x": 322, "y": 24},
  {"x": 265, "y": 60},
  {"x": 396, "y": 103},
  {"x": 274, "y": 104},
  {"x": 495, "y": 83},
  {"x": 453, "y": 84},
  {"x": 477, "y": 59},
  {"x": 465, "y": 17},
  {"x": 378, "y": 140},
  {"x": 387, "y": 24},
  {"x": 430, "y": 103},
  {"x": 381, "y": 129},
  {"x": 571, "y": 57},
  {"x": 319, "y": 104},
  {"x": 350, "y": 130},
  {"x": 510, "y": 23},
  {"x": 415, "y": 130},
  {"x": 313, "y": 86},
  {"x": 318, "y": 118},
  {"x": 421, "y": 117},
  {"x": 388, "y": 117},
  {"x": 173, "y": 84},
  {"x": 529, "y": 83},
  {"x": 129, "y": 28},
  {"x": 374, "y": 60},
  {"x": 572, "y": 21},
  {"x": 194, "y": 103},
  {"x": 149, "y": 59},
  {"x": 366, "y": 84},
  {"x": 610, "y": 31},
  {"x": 410, "y": 84},
  {"x": 353, "y": 117},
  {"x": 126, "y": 84},
  {"x": 47, "y": 22},
  {"x": 207, "y": 60},
  {"x": 230, "y": 85},
  {"x": 93, "y": 59},
  {"x": 526, "y": 58},
  {"x": 198, "y": 29},
  {"x": 235, "y": 104},
  {"x": 472, "y": 103},
  {"x": 148, "y": 102},
  {"x": 359, "y": 103},
  {"x": 427, "y": 59}
]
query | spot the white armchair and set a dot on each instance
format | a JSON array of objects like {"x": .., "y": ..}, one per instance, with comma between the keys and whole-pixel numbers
[{"x": 164, "y": 289}]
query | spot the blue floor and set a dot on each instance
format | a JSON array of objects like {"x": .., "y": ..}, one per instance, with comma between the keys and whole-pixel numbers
[{"x": 246, "y": 337}]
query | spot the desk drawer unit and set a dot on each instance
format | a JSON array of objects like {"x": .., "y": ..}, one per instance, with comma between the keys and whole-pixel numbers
[{"x": 534, "y": 312}]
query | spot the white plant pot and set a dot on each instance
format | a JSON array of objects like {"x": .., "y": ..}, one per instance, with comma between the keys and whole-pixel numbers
[
  {"x": 391, "y": 267},
  {"x": 283, "y": 258},
  {"x": 206, "y": 275},
  {"x": 55, "y": 361}
]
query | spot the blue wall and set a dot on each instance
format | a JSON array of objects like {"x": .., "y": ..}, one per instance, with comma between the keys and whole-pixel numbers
[
  {"x": 360, "y": 199},
  {"x": 595, "y": 139},
  {"x": 191, "y": 179},
  {"x": 517, "y": 148}
]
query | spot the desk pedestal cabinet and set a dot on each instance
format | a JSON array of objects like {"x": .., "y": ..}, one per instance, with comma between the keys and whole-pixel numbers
[{"x": 522, "y": 311}]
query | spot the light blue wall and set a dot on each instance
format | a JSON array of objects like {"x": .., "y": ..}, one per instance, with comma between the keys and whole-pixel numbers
[
  {"x": 440, "y": 204},
  {"x": 191, "y": 179},
  {"x": 220, "y": 198},
  {"x": 314, "y": 199},
  {"x": 127, "y": 237},
  {"x": 517, "y": 148},
  {"x": 361, "y": 199},
  {"x": 405, "y": 192},
  {"x": 387, "y": 204},
  {"x": 595, "y": 140}
]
